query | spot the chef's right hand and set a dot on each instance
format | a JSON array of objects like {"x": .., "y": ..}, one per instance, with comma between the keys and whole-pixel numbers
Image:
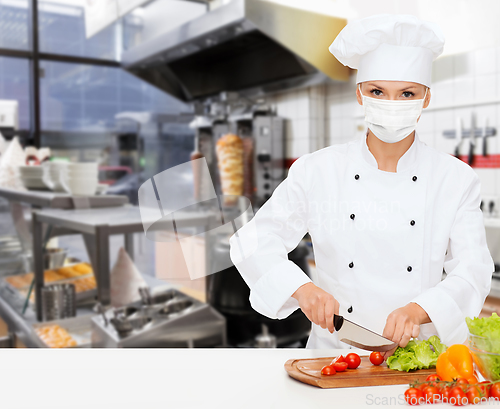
[{"x": 317, "y": 305}]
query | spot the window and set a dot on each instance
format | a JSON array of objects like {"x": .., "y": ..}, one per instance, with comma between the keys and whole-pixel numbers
[
  {"x": 14, "y": 84},
  {"x": 14, "y": 24}
]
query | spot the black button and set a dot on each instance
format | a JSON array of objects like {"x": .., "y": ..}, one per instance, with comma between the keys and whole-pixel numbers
[
  {"x": 414, "y": 178},
  {"x": 409, "y": 268},
  {"x": 349, "y": 309},
  {"x": 266, "y": 176},
  {"x": 356, "y": 177},
  {"x": 412, "y": 223},
  {"x": 351, "y": 264},
  {"x": 352, "y": 216},
  {"x": 267, "y": 186},
  {"x": 264, "y": 157}
]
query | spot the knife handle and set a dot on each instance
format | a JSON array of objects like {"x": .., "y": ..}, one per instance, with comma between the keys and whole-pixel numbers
[
  {"x": 485, "y": 146},
  {"x": 338, "y": 321},
  {"x": 457, "y": 151},
  {"x": 471, "y": 154}
]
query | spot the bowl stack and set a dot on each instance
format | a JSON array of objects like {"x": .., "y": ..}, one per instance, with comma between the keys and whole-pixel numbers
[
  {"x": 80, "y": 178},
  {"x": 486, "y": 354},
  {"x": 52, "y": 175},
  {"x": 31, "y": 176}
]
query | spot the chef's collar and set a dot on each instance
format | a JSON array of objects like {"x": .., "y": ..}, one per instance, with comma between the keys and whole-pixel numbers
[{"x": 405, "y": 162}]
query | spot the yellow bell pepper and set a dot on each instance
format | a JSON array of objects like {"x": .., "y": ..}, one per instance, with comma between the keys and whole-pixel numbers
[{"x": 456, "y": 362}]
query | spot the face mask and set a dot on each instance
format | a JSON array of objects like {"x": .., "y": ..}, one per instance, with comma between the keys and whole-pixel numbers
[{"x": 391, "y": 121}]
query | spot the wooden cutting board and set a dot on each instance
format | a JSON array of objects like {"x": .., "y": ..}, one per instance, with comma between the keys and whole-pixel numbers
[{"x": 366, "y": 374}]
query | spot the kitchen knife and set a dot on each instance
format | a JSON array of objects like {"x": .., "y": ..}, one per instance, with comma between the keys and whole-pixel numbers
[
  {"x": 472, "y": 140},
  {"x": 360, "y": 337},
  {"x": 458, "y": 136},
  {"x": 483, "y": 135}
]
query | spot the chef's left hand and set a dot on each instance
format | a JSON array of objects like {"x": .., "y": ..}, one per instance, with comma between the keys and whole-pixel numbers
[{"x": 403, "y": 324}]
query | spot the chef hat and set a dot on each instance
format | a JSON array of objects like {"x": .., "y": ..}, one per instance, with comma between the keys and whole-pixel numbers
[{"x": 391, "y": 47}]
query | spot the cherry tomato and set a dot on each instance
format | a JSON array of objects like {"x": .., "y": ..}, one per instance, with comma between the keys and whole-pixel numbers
[
  {"x": 495, "y": 391},
  {"x": 340, "y": 358},
  {"x": 461, "y": 382},
  {"x": 376, "y": 358},
  {"x": 431, "y": 394},
  {"x": 353, "y": 360},
  {"x": 474, "y": 394},
  {"x": 445, "y": 394},
  {"x": 457, "y": 396},
  {"x": 433, "y": 379},
  {"x": 340, "y": 366},
  {"x": 328, "y": 370},
  {"x": 484, "y": 387},
  {"x": 414, "y": 396}
]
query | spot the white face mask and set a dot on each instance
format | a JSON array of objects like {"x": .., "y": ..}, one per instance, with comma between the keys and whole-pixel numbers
[{"x": 391, "y": 121}]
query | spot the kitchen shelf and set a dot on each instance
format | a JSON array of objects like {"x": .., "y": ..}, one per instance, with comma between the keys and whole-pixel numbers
[{"x": 98, "y": 225}]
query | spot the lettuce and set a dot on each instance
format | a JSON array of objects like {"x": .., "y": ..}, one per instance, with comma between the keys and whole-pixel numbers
[
  {"x": 489, "y": 328},
  {"x": 417, "y": 355}
]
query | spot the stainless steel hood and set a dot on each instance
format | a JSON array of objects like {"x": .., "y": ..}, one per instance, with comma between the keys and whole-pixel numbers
[{"x": 248, "y": 46}]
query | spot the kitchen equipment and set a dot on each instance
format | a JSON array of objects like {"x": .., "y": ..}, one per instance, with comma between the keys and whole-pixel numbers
[
  {"x": 249, "y": 45},
  {"x": 167, "y": 319},
  {"x": 360, "y": 337},
  {"x": 54, "y": 258},
  {"x": 52, "y": 175},
  {"x": 265, "y": 340},
  {"x": 228, "y": 293},
  {"x": 80, "y": 178},
  {"x": 58, "y": 301},
  {"x": 309, "y": 371},
  {"x": 487, "y": 363}
]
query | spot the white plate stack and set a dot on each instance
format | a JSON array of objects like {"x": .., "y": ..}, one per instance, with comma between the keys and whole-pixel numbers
[
  {"x": 80, "y": 179},
  {"x": 31, "y": 176},
  {"x": 52, "y": 175}
]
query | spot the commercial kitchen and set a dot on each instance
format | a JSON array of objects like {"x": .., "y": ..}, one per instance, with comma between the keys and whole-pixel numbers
[{"x": 118, "y": 122}]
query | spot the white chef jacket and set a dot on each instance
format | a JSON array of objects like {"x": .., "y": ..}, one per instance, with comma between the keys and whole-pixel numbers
[{"x": 380, "y": 240}]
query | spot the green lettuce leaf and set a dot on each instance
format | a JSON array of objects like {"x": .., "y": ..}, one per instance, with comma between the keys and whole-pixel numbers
[{"x": 417, "y": 355}]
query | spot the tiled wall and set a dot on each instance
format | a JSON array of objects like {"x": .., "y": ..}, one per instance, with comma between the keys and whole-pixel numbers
[{"x": 328, "y": 114}]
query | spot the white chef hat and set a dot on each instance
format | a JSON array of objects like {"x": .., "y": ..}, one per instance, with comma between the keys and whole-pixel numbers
[{"x": 390, "y": 47}]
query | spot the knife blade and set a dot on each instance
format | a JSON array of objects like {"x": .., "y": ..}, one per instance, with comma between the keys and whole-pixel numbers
[{"x": 361, "y": 337}]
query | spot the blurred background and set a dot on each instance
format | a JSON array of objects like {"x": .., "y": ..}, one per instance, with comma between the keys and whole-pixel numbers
[{"x": 99, "y": 96}]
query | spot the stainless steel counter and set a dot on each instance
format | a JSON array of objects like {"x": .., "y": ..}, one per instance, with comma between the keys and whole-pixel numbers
[
  {"x": 41, "y": 198},
  {"x": 11, "y": 306}
]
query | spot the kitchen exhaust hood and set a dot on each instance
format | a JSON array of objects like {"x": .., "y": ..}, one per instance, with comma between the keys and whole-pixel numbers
[{"x": 246, "y": 46}]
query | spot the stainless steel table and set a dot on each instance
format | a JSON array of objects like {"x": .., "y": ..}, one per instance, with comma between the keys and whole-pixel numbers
[
  {"x": 21, "y": 325},
  {"x": 98, "y": 224}
]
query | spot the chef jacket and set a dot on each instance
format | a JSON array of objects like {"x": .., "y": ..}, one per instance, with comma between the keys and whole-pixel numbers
[{"x": 380, "y": 239}]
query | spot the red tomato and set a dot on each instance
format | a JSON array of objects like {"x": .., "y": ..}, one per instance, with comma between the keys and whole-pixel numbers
[
  {"x": 328, "y": 370},
  {"x": 340, "y": 366},
  {"x": 414, "y": 396},
  {"x": 353, "y": 360},
  {"x": 445, "y": 394},
  {"x": 433, "y": 379},
  {"x": 474, "y": 394},
  {"x": 340, "y": 358},
  {"x": 457, "y": 396},
  {"x": 484, "y": 387},
  {"x": 376, "y": 358},
  {"x": 495, "y": 391},
  {"x": 461, "y": 381},
  {"x": 431, "y": 394}
]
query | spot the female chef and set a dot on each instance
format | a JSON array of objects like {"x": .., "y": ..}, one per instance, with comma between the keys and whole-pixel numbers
[{"x": 385, "y": 213}]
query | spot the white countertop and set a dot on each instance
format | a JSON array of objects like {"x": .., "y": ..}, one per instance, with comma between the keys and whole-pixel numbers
[{"x": 174, "y": 378}]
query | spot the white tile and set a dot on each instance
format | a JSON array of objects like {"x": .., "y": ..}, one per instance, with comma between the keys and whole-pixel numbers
[
  {"x": 485, "y": 87},
  {"x": 300, "y": 129},
  {"x": 300, "y": 147},
  {"x": 488, "y": 181},
  {"x": 442, "y": 93},
  {"x": 442, "y": 69},
  {"x": 463, "y": 65},
  {"x": 334, "y": 131},
  {"x": 463, "y": 90},
  {"x": 426, "y": 122},
  {"x": 485, "y": 61},
  {"x": 444, "y": 120}
]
